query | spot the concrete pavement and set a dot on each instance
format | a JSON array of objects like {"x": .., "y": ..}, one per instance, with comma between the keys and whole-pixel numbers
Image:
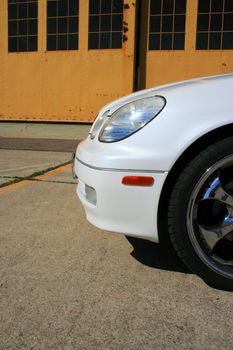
[
  {"x": 16, "y": 164},
  {"x": 41, "y": 136},
  {"x": 58, "y": 140},
  {"x": 44, "y": 130},
  {"x": 66, "y": 285}
]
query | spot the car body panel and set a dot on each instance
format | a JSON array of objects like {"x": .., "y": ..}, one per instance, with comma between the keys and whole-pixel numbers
[
  {"x": 193, "y": 109},
  {"x": 126, "y": 209},
  {"x": 158, "y": 145}
]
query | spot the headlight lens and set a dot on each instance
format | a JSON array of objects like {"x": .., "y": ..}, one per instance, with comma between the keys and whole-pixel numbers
[
  {"x": 131, "y": 118},
  {"x": 97, "y": 124}
]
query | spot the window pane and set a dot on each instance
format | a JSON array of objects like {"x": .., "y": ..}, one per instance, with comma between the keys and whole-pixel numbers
[
  {"x": 73, "y": 7},
  {"x": 203, "y": 23},
  {"x": 227, "y": 42},
  {"x": 117, "y": 6},
  {"x": 73, "y": 42},
  {"x": 228, "y": 21},
  {"x": 62, "y": 8},
  {"x": 166, "y": 43},
  {"x": 52, "y": 8},
  {"x": 23, "y": 11},
  {"x": 73, "y": 25},
  {"x": 167, "y": 22},
  {"x": 12, "y": 44},
  {"x": 51, "y": 25},
  {"x": 104, "y": 40},
  {"x": 93, "y": 41},
  {"x": 202, "y": 41},
  {"x": 215, "y": 41},
  {"x": 94, "y": 23},
  {"x": 12, "y": 11},
  {"x": 22, "y": 43},
  {"x": 168, "y": 6},
  {"x": 155, "y": 23},
  {"x": 105, "y": 23},
  {"x": 32, "y": 10},
  {"x": 22, "y": 27},
  {"x": 106, "y": 6},
  {"x": 12, "y": 28},
  {"x": 62, "y": 25},
  {"x": 117, "y": 22},
  {"x": 154, "y": 42},
  {"x": 217, "y": 6},
  {"x": 179, "y": 25},
  {"x": 51, "y": 42},
  {"x": 178, "y": 42},
  {"x": 204, "y": 6},
  {"x": 116, "y": 40},
  {"x": 32, "y": 43},
  {"x": 32, "y": 27},
  {"x": 180, "y": 6},
  {"x": 62, "y": 42},
  {"x": 94, "y": 6},
  {"x": 228, "y": 5},
  {"x": 216, "y": 22},
  {"x": 155, "y": 7}
]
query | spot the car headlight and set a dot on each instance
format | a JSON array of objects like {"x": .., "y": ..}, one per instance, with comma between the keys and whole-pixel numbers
[
  {"x": 97, "y": 124},
  {"x": 130, "y": 118}
]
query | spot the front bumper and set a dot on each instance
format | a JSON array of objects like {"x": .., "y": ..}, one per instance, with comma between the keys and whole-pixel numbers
[{"x": 112, "y": 206}]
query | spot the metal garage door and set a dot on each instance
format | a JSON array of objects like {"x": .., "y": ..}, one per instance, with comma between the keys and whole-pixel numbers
[{"x": 62, "y": 60}]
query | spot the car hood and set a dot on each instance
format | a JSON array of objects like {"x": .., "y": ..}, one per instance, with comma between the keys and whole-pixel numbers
[{"x": 164, "y": 90}]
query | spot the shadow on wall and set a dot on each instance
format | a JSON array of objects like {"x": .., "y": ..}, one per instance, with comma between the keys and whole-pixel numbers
[{"x": 160, "y": 256}]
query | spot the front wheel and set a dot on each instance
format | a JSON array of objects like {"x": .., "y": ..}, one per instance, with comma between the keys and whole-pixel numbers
[{"x": 200, "y": 214}]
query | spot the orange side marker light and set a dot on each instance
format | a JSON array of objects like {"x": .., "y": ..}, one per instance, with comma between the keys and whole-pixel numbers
[{"x": 144, "y": 181}]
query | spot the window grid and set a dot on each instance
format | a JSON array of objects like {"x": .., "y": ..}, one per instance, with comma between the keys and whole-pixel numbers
[
  {"x": 105, "y": 24},
  {"x": 167, "y": 24},
  {"x": 62, "y": 24},
  {"x": 22, "y": 25},
  {"x": 215, "y": 25}
]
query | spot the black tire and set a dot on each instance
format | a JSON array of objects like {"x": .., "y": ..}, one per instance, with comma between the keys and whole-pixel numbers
[{"x": 200, "y": 214}]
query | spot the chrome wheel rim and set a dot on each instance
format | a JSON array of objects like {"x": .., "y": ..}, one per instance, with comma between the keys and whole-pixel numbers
[{"x": 209, "y": 217}]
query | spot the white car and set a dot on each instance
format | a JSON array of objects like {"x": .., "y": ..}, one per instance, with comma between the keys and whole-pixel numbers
[{"x": 161, "y": 161}]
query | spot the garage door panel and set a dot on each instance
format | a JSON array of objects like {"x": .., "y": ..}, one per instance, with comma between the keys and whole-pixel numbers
[{"x": 82, "y": 58}]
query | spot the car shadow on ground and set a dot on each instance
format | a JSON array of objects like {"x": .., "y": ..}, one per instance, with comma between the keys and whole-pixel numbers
[{"x": 159, "y": 256}]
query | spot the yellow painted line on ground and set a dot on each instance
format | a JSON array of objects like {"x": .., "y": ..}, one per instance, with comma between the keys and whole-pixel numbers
[
  {"x": 53, "y": 172},
  {"x": 23, "y": 183},
  {"x": 14, "y": 186}
]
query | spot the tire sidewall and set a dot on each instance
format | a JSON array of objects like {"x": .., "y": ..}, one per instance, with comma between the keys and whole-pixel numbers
[{"x": 178, "y": 207}]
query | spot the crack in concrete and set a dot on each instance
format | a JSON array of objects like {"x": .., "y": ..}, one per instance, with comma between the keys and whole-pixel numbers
[{"x": 32, "y": 177}]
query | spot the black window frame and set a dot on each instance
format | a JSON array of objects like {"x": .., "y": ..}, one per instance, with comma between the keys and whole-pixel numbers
[
  {"x": 106, "y": 24},
  {"x": 62, "y": 25},
  {"x": 167, "y": 25},
  {"x": 22, "y": 25},
  {"x": 214, "y": 25}
]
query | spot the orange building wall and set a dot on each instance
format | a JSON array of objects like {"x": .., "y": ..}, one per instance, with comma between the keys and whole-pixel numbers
[
  {"x": 63, "y": 85},
  {"x": 74, "y": 85}
]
